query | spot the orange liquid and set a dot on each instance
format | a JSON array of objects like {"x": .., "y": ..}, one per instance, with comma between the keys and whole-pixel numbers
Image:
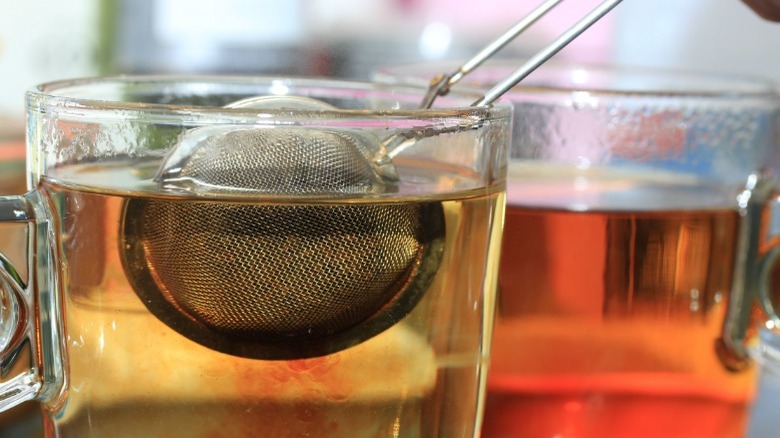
[{"x": 607, "y": 323}]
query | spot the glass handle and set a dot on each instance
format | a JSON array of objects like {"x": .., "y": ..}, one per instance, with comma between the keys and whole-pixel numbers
[
  {"x": 764, "y": 288},
  {"x": 769, "y": 253},
  {"x": 751, "y": 260},
  {"x": 31, "y": 348}
]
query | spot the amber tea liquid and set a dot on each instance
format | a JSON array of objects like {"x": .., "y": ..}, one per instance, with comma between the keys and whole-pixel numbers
[
  {"x": 132, "y": 375},
  {"x": 612, "y": 293}
]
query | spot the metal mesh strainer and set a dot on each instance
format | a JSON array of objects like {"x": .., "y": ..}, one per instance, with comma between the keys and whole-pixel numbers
[
  {"x": 279, "y": 281},
  {"x": 274, "y": 160}
]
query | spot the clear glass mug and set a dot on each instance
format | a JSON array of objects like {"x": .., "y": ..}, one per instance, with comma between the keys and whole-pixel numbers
[
  {"x": 204, "y": 262},
  {"x": 635, "y": 238}
]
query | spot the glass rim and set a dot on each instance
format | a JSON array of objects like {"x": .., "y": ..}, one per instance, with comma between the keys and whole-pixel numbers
[
  {"x": 67, "y": 94},
  {"x": 658, "y": 81}
]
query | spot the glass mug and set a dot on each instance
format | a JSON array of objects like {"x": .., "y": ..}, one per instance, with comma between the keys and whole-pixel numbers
[
  {"x": 631, "y": 250},
  {"x": 253, "y": 256}
]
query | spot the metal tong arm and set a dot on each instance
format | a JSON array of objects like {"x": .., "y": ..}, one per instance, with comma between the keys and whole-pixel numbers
[
  {"x": 542, "y": 56},
  {"x": 441, "y": 84}
]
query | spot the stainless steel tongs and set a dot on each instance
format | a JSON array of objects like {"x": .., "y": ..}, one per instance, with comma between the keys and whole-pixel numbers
[{"x": 440, "y": 85}]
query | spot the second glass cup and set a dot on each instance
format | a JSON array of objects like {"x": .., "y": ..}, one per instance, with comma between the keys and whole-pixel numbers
[{"x": 632, "y": 248}]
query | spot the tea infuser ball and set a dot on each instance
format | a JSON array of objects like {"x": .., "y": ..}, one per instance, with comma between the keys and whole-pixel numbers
[{"x": 279, "y": 280}]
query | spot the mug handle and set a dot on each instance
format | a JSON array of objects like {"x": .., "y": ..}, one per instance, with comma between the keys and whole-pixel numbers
[
  {"x": 31, "y": 342},
  {"x": 755, "y": 257},
  {"x": 769, "y": 332}
]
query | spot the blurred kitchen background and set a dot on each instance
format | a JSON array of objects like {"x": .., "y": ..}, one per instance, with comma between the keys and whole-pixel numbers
[{"x": 43, "y": 40}]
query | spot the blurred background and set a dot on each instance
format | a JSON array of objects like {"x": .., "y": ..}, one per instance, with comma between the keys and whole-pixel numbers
[{"x": 43, "y": 40}]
